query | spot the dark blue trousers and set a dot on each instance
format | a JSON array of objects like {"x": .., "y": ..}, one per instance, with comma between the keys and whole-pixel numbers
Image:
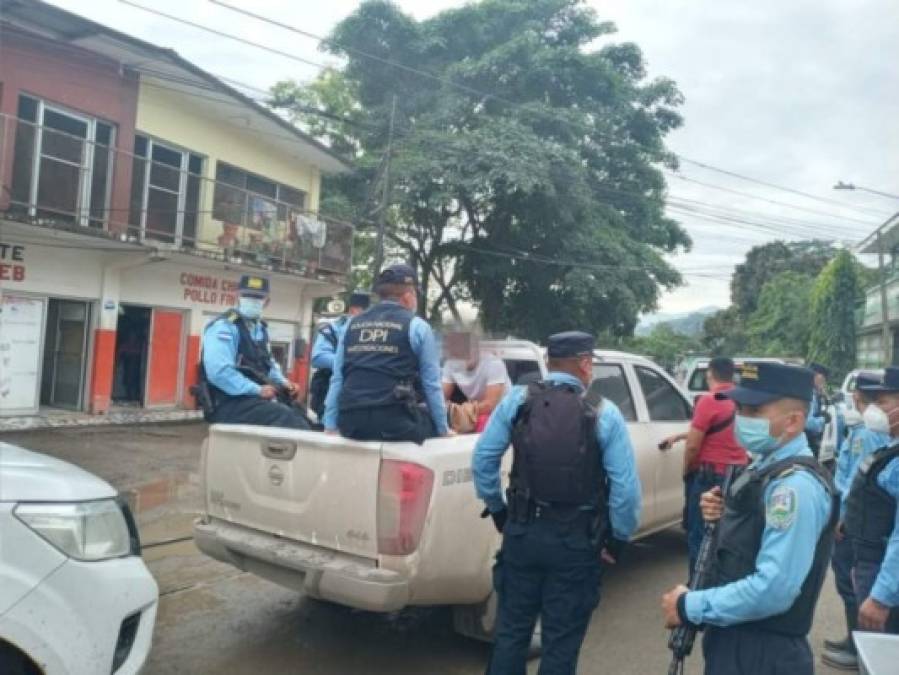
[
  {"x": 736, "y": 650},
  {"x": 399, "y": 422},
  {"x": 864, "y": 574},
  {"x": 255, "y": 410},
  {"x": 697, "y": 483},
  {"x": 841, "y": 563},
  {"x": 549, "y": 570}
]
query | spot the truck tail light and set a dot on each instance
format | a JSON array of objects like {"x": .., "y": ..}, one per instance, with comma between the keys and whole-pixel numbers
[{"x": 404, "y": 492}]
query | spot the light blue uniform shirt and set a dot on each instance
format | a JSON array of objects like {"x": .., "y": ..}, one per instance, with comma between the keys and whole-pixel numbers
[
  {"x": 813, "y": 423},
  {"x": 625, "y": 497},
  {"x": 886, "y": 587},
  {"x": 220, "y": 340},
  {"x": 323, "y": 351},
  {"x": 860, "y": 443},
  {"x": 786, "y": 554},
  {"x": 421, "y": 337}
]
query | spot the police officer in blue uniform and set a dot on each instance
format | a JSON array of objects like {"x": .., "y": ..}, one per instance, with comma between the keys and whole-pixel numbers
[
  {"x": 239, "y": 368},
  {"x": 325, "y": 347},
  {"x": 574, "y": 498},
  {"x": 866, "y": 434},
  {"x": 818, "y": 417},
  {"x": 775, "y": 536},
  {"x": 872, "y": 520},
  {"x": 386, "y": 381}
]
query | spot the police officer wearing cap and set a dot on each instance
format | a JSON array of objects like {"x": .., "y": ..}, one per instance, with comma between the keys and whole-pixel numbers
[
  {"x": 386, "y": 381},
  {"x": 239, "y": 368},
  {"x": 325, "y": 347},
  {"x": 868, "y": 432},
  {"x": 872, "y": 518},
  {"x": 818, "y": 417},
  {"x": 774, "y": 538},
  {"x": 573, "y": 501}
]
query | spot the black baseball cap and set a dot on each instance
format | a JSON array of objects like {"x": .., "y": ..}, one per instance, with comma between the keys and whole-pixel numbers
[
  {"x": 764, "y": 382},
  {"x": 570, "y": 344},
  {"x": 889, "y": 382}
]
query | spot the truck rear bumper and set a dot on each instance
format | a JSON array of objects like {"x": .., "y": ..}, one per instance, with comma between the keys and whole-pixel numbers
[{"x": 318, "y": 572}]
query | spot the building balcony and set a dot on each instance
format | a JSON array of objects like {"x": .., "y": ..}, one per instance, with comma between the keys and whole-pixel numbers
[{"x": 66, "y": 173}]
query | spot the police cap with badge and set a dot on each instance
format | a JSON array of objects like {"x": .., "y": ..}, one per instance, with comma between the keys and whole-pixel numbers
[
  {"x": 763, "y": 382},
  {"x": 253, "y": 286}
]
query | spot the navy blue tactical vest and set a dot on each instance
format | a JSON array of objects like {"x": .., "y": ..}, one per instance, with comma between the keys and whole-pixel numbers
[
  {"x": 379, "y": 366},
  {"x": 252, "y": 355},
  {"x": 740, "y": 540},
  {"x": 871, "y": 510}
]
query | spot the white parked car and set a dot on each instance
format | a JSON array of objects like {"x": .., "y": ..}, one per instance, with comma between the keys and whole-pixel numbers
[
  {"x": 694, "y": 374},
  {"x": 75, "y": 596},
  {"x": 383, "y": 526}
]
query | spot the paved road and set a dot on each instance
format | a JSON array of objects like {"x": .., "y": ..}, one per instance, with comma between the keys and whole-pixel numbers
[{"x": 214, "y": 619}]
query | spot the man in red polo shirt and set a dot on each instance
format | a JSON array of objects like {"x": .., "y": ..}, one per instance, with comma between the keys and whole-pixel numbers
[{"x": 710, "y": 449}]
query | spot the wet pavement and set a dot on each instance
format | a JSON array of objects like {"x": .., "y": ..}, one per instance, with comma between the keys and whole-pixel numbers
[{"x": 215, "y": 619}]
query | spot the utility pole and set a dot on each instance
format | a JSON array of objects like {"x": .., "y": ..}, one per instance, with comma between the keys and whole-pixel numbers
[
  {"x": 385, "y": 194},
  {"x": 884, "y": 306}
]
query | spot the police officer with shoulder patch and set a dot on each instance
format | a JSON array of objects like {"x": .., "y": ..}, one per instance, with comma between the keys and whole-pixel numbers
[
  {"x": 325, "y": 347},
  {"x": 775, "y": 536},
  {"x": 573, "y": 501},
  {"x": 239, "y": 368},
  {"x": 872, "y": 519},
  {"x": 386, "y": 381}
]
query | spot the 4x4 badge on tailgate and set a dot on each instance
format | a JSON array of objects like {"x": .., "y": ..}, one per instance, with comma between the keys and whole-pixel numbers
[{"x": 275, "y": 475}]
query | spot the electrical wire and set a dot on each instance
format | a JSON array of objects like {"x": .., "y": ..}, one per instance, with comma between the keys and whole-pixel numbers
[{"x": 495, "y": 97}]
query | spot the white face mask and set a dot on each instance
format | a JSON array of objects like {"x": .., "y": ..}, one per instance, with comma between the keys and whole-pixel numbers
[
  {"x": 250, "y": 307},
  {"x": 876, "y": 420}
]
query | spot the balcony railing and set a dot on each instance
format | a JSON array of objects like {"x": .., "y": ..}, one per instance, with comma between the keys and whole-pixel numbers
[{"x": 68, "y": 174}]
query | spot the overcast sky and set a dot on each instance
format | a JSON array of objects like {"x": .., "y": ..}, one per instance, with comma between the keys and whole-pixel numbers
[{"x": 800, "y": 94}]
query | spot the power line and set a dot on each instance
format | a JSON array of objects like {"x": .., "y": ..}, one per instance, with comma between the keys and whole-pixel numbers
[{"x": 501, "y": 99}]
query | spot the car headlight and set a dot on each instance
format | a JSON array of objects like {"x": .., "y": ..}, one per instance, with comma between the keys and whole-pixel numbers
[{"x": 87, "y": 531}]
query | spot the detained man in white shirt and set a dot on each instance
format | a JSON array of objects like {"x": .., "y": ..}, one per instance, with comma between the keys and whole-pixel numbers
[{"x": 481, "y": 378}]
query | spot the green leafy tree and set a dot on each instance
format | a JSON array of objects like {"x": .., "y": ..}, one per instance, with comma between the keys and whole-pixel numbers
[
  {"x": 724, "y": 333},
  {"x": 663, "y": 345},
  {"x": 780, "y": 324},
  {"x": 766, "y": 261},
  {"x": 832, "y": 335},
  {"x": 542, "y": 200}
]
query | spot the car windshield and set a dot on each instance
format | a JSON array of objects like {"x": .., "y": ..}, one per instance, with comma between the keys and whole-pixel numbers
[{"x": 698, "y": 381}]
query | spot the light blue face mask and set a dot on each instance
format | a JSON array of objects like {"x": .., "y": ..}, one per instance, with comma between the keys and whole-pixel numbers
[
  {"x": 754, "y": 434},
  {"x": 250, "y": 307}
]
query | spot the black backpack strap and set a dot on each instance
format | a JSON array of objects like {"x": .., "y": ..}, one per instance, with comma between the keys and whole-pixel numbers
[
  {"x": 718, "y": 427},
  {"x": 327, "y": 331}
]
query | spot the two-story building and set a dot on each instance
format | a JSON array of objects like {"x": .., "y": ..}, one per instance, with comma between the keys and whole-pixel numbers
[
  {"x": 878, "y": 339},
  {"x": 135, "y": 189}
]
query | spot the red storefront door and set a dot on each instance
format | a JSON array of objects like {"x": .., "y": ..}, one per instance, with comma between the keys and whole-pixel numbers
[{"x": 164, "y": 371}]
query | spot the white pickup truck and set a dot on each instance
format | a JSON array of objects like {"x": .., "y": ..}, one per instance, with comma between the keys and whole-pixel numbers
[{"x": 382, "y": 526}]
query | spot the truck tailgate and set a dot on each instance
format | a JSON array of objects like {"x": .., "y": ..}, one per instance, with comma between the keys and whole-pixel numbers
[{"x": 302, "y": 485}]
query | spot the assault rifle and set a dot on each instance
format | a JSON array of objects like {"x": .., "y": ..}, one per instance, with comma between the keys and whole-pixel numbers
[{"x": 681, "y": 639}]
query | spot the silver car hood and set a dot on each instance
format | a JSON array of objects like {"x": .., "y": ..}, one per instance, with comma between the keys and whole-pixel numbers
[{"x": 27, "y": 476}]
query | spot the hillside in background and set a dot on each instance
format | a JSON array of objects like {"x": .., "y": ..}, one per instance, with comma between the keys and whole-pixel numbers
[{"x": 685, "y": 323}]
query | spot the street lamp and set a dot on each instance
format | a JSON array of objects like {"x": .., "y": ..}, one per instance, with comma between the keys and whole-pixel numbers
[{"x": 851, "y": 186}]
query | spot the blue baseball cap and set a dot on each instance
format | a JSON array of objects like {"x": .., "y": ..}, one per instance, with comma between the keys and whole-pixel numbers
[
  {"x": 889, "y": 382},
  {"x": 360, "y": 299},
  {"x": 398, "y": 274},
  {"x": 570, "y": 344},
  {"x": 255, "y": 286},
  {"x": 764, "y": 382}
]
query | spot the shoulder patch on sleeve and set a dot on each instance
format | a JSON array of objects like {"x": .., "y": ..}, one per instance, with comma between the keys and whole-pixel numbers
[
  {"x": 224, "y": 335},
  {"x": 781, "y": 508}
]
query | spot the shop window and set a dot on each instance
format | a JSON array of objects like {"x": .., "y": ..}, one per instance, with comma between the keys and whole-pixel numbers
[
  {"x": 243, "y": 198},
  {"x": 165, "y": 192},
  {"x": 63, "y": 163}
]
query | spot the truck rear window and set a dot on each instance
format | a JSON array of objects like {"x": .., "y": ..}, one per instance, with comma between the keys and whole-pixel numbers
[{"x": 697, "y": 380}]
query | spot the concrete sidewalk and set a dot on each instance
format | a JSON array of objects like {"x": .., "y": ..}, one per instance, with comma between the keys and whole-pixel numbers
[{"x": 57, "y": 419}]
